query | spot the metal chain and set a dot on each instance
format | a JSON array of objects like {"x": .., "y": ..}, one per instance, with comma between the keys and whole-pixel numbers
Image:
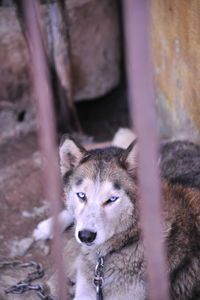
[
  {"x": 25, "y": 285},
  {"x": 98, "y": 277}
]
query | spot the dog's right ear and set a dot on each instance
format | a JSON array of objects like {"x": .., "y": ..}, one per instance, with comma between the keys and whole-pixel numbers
[
  {"x": 123, "y": 138},
  {"x": 71, "y": 153},
  {"x": 128, "y": 157}
]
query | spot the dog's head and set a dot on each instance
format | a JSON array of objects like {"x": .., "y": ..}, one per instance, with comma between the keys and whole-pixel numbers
[{"x": 100, "y": 190}]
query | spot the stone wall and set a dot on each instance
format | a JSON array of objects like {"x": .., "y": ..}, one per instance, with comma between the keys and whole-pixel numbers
[
  {"x": 94, "y": 44},
  {"x": 176, "y": 51}
]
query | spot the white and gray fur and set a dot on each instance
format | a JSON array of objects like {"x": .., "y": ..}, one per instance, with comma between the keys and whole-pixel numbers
[{"x": 106, "y": 221}]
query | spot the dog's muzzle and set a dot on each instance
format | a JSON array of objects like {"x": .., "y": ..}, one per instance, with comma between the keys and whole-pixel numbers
[{"x": 87, "y": 236}]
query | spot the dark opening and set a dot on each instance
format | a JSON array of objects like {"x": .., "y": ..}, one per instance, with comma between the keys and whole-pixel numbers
[{"x": 21, "y": 116}]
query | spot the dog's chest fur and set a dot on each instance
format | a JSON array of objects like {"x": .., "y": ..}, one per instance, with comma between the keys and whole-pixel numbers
[{"x": 123, "y": 272}]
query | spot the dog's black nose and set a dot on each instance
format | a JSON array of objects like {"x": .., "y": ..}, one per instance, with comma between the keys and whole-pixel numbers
[{"x": 87, "y": 236}]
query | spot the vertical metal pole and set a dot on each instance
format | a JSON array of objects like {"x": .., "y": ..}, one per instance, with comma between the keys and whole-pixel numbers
[
  {"x": 47, "y": 132},
  {"x": 141, "y": 96}
]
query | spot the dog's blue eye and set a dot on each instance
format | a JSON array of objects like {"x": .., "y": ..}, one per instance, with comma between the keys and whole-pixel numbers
[
  {"x": 111, "y": 199},
  {"x": 81, "y": 196}
]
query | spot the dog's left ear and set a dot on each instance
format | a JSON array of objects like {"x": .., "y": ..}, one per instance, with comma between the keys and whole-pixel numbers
[
  {"x": 71, "y": 153},
  {"x": 128, "y": 157}
]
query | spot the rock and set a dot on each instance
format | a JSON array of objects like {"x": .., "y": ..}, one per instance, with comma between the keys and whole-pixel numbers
[
  {"x": 94, "y": 43},
  {"x": 94, "y": 36},
  {"x": 16, "y": 119},
  {"x": 20, "y": 247},
  {"x": 44, "y": 247},
  {"x": 37, "y": 211}
]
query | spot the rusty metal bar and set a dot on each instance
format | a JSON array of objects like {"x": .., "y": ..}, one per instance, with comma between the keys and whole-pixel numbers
[
  {"x": 141, "y": 96},
  {"x": 47, "y": 132}
]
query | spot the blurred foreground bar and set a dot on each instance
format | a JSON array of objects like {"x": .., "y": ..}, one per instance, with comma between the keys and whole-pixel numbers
[
  {"x": 47, "y": 132},
  {"x": 141, "y": 99}
]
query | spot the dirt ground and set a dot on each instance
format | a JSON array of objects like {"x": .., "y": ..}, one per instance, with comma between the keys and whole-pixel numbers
[{"x": 22, "y": 204}]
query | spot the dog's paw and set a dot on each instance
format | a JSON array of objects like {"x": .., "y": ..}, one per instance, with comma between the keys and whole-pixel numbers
[{"x": 43, "y": 230}]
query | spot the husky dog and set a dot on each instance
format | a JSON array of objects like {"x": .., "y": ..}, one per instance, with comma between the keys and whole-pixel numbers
[{"x": 101, "y": 192}]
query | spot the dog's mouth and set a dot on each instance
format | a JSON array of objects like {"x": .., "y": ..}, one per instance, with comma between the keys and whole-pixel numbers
[{"x": 89, "y": 244}]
